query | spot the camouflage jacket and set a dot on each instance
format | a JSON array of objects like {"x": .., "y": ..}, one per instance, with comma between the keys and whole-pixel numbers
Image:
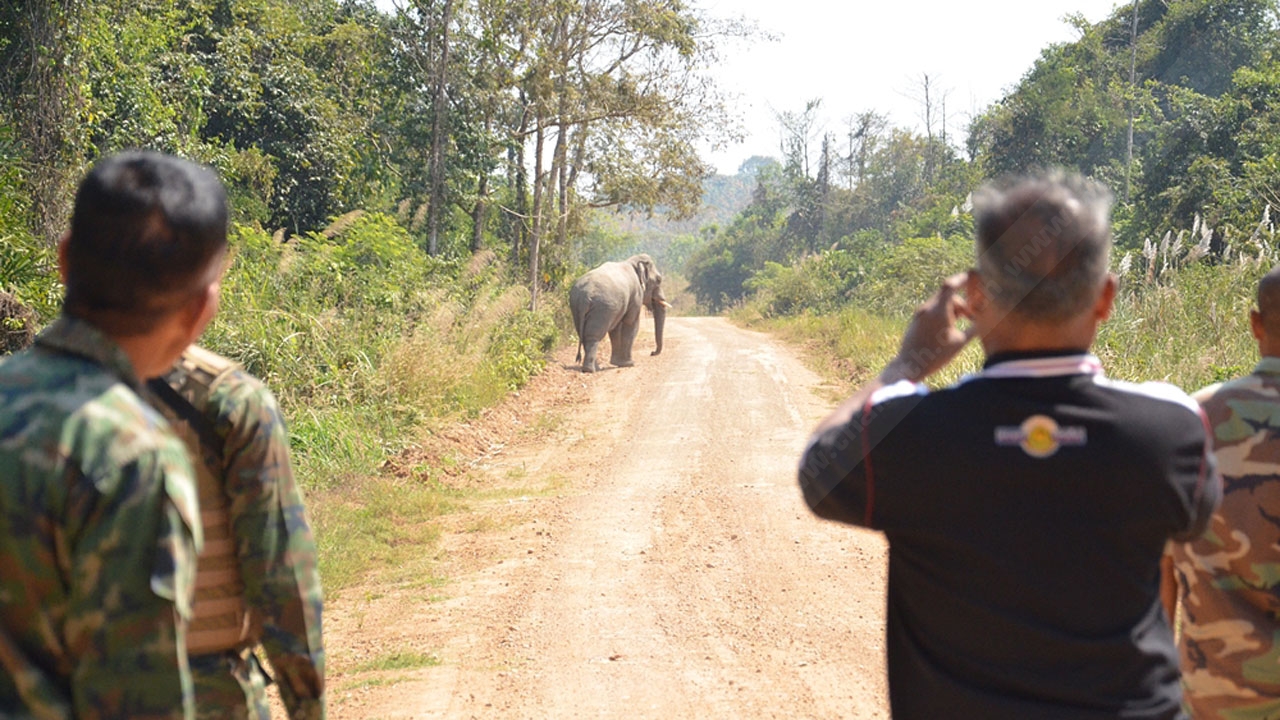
[
  {"x": 1229, "y": 579},
  {"x": 99, "y": 532},
  {"x": 274, "y": 543}
]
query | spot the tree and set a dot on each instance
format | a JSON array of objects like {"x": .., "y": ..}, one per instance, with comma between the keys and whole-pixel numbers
[
  {"x": 864, "y": 132},
  {"x": 40, "y": 87},
  {"x": 797, "y": 130}
]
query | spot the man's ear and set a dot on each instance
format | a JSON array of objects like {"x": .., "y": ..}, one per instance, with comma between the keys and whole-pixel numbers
[
  {"x": 974, "y": 291},
  {"x": 1107, "y": 298},
  {"x": 199, "y": 310},
  {"x": 1257, "y": 326}
]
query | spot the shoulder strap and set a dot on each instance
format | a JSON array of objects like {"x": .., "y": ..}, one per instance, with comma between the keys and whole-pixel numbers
[{"x": 188, "y": 412}]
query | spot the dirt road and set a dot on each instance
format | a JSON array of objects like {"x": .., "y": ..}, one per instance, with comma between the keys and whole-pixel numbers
[{"x": 666, "y": 568}]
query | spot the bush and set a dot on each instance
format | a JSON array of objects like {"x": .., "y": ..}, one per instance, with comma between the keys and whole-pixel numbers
[
  {"x": 28, "y": 267},
  {"x": 363, "y": 336},
  {"x": 906, "y": 274},
  {"x": 1181, "y": 314}
]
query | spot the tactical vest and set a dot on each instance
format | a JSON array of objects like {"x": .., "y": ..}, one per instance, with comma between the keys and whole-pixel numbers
[{"x": 219, "y": 621}]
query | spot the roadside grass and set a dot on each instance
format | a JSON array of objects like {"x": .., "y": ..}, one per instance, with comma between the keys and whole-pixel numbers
[
  {"x": 398, "y": 660},
  {"x": 850, "y": 346},
  {"x": 1187, "y": 325},
  {"x": 391, "y": 526},
  {"x": 1191, "y": 329},
  {"x": 370, "y": 345},
  {"x": 375, "y": 682},
  {"x": 374, "y": 523}
]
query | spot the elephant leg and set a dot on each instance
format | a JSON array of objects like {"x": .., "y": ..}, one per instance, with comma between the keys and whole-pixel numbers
[
  {"x": 619, "y": 351},
  {"x": 589, "y": 363},
  {"x": 623, "y": 338}
]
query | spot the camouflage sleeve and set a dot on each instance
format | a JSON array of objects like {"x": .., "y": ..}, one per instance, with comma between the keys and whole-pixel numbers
[
  {"x": 130, "y": 548},
  {"x": 274, "y": 542},
  {"x": 1197, "y": 467}
]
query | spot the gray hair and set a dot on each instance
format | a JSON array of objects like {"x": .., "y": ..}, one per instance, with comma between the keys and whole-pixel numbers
[{"x": 1044, "y": 244}]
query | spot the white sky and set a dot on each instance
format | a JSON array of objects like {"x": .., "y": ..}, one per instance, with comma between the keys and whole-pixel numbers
[
  {"x": 858, "y": 55},
  {"x": 861, "y": 55}
]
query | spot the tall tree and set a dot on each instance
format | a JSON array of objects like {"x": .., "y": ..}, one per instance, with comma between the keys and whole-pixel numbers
[{"x": 39, "y": 86}]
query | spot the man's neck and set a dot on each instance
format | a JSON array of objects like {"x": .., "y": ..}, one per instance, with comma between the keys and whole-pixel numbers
[
  {"x": 1021, "y": 337},
  {"x": 151, "y": 354}
]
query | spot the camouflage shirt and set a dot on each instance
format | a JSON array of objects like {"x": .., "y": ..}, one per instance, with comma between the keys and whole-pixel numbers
[
  {"x": 274, "y": 543},
  {"x": 99, "y": 532},
  {"x": 1229, "y": 579}
]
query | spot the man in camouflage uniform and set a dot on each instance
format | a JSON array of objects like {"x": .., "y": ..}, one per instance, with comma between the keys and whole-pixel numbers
[
  {"x": 1229, "y": 580},
  {"x": 257, "y": 581},
  {"x": 99, "y": 524}
]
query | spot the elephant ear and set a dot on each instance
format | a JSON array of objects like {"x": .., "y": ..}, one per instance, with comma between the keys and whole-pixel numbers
[{"x": 644, "y": 272}]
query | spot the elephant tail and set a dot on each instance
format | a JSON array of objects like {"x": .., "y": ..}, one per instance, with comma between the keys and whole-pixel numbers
[{"x": 578, "y": 324}]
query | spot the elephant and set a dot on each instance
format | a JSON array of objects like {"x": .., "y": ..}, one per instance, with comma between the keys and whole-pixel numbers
[{"x": 607, "y": 300}]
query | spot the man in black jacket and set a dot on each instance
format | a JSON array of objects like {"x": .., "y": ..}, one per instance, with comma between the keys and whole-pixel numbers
[{"x": 1027, "y": 506}]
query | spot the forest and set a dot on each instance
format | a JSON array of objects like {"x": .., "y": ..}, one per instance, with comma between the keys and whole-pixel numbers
[
  {"x": 1173, "y": 105},
  {"x": 409, "y": 183},
  {"x": 477, "y": 124},
  {"x": 414, "y": 188}
]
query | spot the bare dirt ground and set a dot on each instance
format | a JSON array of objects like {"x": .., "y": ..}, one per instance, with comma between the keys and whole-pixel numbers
[{"x": 644, "y": 554}]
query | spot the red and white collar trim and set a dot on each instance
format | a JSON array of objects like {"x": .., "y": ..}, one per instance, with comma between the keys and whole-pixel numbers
[{"x": 1058, "y": 365}]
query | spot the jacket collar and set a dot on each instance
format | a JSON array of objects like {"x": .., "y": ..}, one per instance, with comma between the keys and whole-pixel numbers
[
  {"x": 1040, "y": 364},
  {"x": 73, "y": 336},
  {"x": 1267, "y": 366}
]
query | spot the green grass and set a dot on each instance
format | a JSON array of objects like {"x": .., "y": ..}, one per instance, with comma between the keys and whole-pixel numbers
[
  {"x": 368, "y": 342},
  {"x": 851, "y": 346},
  {"x": 1189, "y": 328},
  {"x": 378, "y": 523},
  {"x": 398, "y": 660},
  {"x": 373, "y": 682},
  {"x": 392, "y": 526}
]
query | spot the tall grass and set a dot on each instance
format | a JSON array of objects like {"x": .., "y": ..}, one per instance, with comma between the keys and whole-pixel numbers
[
  {"x": 28, "y": 269},
  {"x": 364, "y": 337},
  {"x": 368, "y": 342},
  {"x": 1181, "y": 314}
]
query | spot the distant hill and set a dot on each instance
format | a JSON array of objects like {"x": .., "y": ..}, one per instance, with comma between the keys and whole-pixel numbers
[
  {"x": 723, "y": 197},
  {"x": 619, "y": 233}
]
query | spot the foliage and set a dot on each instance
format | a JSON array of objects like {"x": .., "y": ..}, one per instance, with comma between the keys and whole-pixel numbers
[
  {"x": 1181, "y": 316},
  {"x": 1219, "y": 156},
  {"x": 478, "y": 123},
  {"x": 905, "y": 187},
  {"x": 1201, "y": 108},
  {"x": 363, "y": 336},
  {"x": 26, "y": 263}
]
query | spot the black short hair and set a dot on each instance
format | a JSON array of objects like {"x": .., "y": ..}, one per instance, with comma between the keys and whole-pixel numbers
[
  {"x": 144, "y": 232},
  {"x": 1269, "y": 301},
  {"x": 1044, "y": 244}
]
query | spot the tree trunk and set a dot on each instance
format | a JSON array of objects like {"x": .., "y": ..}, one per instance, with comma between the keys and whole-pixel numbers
[
  {"x": 575, "y": 166},
  {"x": 520, "y": 237},
  {"x": 41, "y": 96},
  {"x": 535, "y": 238},
  {"x": 479, "y": 212},
  {"x": 561, "y": 172},
  {"x": 1133, "y": 89},
  {"x": 435, "y": 207}
]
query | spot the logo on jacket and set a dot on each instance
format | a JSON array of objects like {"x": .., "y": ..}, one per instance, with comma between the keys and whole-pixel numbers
[{"x": 1040, "y": 436}]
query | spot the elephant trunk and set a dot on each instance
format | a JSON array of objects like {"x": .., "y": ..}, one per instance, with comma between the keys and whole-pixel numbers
[{"x": 659, "y": 320}]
